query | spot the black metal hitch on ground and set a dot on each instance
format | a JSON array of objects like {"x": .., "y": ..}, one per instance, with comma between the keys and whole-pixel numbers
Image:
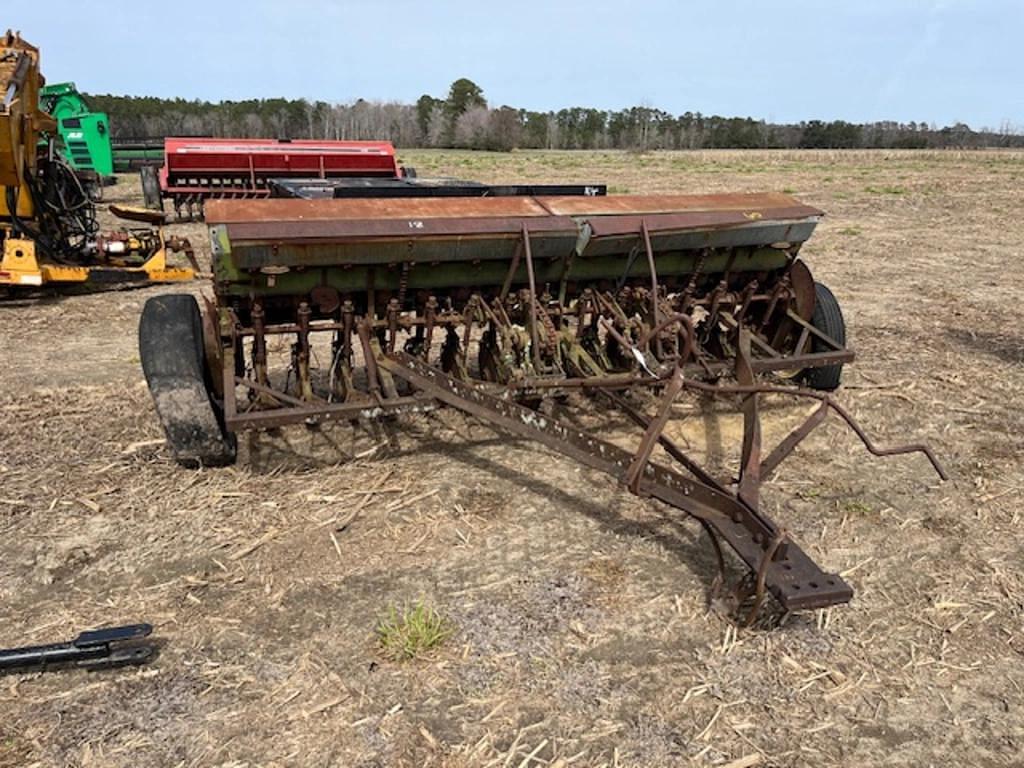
[{"x": 96, "y": 649}]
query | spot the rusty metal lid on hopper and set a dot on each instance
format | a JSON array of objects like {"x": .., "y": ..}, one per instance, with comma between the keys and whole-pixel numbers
[
  {"x": 618, "y": 215},
  {"x": 373, "y": 218}
]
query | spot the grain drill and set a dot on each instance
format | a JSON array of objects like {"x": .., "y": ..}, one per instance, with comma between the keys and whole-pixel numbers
[{"x": 404, "y": 296}]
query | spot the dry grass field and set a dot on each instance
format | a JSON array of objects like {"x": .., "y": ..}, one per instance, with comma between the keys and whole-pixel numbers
[{"x": 575, "y": 625}]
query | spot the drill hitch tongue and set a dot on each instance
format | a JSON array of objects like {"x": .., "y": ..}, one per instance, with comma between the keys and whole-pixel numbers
[{"x": 96, "y": 649}]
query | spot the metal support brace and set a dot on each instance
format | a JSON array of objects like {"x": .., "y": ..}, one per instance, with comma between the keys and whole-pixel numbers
[
  {"x": 655, "y": 314},
  {"x": 534, "y": 334},
  {"x": 794, "y": 579},
  {"x": 750, "y": 458}
]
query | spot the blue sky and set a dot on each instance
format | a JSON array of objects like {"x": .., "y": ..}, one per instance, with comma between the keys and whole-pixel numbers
[{"x": 783, "y": 60}]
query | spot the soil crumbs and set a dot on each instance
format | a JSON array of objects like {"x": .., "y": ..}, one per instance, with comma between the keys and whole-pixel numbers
[{"x": 582, "y": 635}]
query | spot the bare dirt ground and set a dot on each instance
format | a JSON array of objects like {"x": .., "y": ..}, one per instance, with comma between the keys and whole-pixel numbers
[{"x": 581, "y": 632}]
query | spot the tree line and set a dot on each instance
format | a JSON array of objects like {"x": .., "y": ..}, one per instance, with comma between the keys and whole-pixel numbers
[{"x": 463, "y": 119}]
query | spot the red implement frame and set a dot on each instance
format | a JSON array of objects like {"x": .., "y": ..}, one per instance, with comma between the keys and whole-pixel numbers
[{"x": 198, "y": 169}]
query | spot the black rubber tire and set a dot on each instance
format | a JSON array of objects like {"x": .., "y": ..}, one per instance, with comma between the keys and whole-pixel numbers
[
  {"x": 828, "y": 319},
  {"x": 173, "y": 360}
]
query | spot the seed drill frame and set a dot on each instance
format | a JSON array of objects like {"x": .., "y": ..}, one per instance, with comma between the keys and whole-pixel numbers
[{"x": 492, "y": 304}]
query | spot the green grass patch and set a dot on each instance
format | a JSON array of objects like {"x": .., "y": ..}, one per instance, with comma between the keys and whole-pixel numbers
[
  {"x": 412, "y": 630},
  {"x": 789, "y": 190},
  {"x": 850, "y": 231},
  {"x": 856, "y": 507},
  {"x": 886, "y": 190}
]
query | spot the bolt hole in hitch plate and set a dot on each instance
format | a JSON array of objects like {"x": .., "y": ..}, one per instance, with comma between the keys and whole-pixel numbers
[{"x": 400, "y": 304}]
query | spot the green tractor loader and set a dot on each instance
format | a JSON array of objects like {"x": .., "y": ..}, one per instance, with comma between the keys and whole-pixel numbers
[{"x": 85, "y": 135}]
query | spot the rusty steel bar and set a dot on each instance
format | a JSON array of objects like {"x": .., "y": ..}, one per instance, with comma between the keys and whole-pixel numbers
[
  {"x": 874, "y": 450},
  {"x": 655, "y": 312},
  {"x": 429, "y": 315},
  {"x": 259, "y": 345},
  {"x": 303, "y": 353},
  {"x": 512, "y": 269},
  {"x": 667, "y": 443},
  {"x": 635, "y": 472},
  {"x": 274, "y": 393},
  {"x": 750, "y": 455},
  {"x": 775, "y": 550},
  {"x": 365, "y": 411},
  {"x": 791, "y": 441},
  {"x": 534, "y": 332},
  {"x": 228, "y": 380},
  {"x": 372, "y": 377}
]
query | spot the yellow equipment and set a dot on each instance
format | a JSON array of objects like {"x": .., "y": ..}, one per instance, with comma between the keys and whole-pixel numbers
[{"x": 48, "y": 227}]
